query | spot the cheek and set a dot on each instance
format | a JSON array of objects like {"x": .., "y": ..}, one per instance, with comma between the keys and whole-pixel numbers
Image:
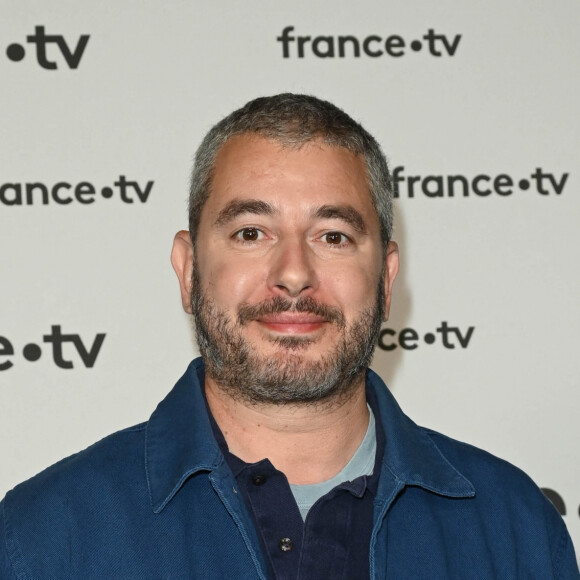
[
  {"x": 354, "y": 288},
  {"x": 230, "y": 283}
]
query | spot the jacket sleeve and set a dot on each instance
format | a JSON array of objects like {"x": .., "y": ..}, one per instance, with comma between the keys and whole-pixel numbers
[
  {"x": 565, "y": 564},
  {"x": 7, "y": 572}
]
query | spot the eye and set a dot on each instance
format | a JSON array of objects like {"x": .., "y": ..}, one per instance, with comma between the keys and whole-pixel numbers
[
  {"x": 249, "y": 235},
  {"x": 335, "y": 238}
]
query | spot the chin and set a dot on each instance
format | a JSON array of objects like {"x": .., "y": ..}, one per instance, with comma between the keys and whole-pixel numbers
[{"x": 293, "y": 343}]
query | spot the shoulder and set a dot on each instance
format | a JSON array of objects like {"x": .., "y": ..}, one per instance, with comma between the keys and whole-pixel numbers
[
  {"x": 108, "y": 458},
  {"x": 45, "y": 510},
  {"x": 488, "y": 473},
  {"x": 496, "y": 481},
  {"x": 507, "y": 499}
]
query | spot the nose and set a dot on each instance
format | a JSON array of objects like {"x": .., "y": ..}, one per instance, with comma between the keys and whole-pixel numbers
[{"x": 292, "y": 269}]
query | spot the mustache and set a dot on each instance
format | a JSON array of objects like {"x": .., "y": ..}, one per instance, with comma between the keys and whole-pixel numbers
[{"x": 249, "y": 312}]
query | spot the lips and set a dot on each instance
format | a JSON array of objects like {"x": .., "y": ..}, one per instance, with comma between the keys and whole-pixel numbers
[
  {"x": 292, "y": 322},
  {"x": 284, "y": 316}
]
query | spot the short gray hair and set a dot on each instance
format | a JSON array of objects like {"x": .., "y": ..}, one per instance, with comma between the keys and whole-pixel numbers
[{"x": 294, "y": 120}]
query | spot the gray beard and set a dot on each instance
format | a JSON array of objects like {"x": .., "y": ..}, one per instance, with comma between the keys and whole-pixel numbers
[{"x": 285, "y": 377}]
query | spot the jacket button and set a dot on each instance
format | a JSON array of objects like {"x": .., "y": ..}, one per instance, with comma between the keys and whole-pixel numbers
[
  {"x": 285, "y": 544},
  {"x": 258, "y": 479}
]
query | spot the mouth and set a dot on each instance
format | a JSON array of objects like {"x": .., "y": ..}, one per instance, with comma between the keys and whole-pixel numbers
[{"x": 292, "y": 322}]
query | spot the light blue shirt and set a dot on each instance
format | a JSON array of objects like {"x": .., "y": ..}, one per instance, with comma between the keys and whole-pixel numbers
[{"x": 361, "y": 463}]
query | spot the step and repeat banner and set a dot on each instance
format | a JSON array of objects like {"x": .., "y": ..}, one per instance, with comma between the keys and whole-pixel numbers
[{"x": 102, "y": 106}]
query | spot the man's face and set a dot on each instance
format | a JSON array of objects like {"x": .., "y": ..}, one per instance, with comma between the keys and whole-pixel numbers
[{"x": 290, "y": 283}]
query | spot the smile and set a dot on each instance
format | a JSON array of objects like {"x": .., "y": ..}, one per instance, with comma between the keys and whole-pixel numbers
[{"x": 292, "y": 322}]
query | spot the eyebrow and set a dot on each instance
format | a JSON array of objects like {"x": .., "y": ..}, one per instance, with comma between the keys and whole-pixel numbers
[
  {"x": 346, "y": 213},
  {"x": 237, "y": 207}
]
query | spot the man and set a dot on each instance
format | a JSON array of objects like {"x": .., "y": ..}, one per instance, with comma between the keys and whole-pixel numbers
[{"x": 279, "y": 454}]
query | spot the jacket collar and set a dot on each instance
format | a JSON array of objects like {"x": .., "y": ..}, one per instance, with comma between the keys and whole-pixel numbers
[
  {"x": 411, "y": 457},
  {"x": 179, "y": 440},
  {"x": 179, "y": 443}
]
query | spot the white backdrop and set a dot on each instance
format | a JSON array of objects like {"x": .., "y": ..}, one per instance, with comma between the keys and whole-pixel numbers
[{"x": 104, "y": 105}]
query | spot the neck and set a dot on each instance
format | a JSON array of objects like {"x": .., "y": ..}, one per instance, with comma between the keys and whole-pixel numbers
[{"x": 308, "y": 443}]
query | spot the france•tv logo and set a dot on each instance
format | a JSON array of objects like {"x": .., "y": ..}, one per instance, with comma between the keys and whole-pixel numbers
[{"x": 48, "y": 46}]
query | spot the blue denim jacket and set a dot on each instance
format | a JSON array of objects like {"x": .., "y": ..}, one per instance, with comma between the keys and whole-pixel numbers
[{"x": 157, "y": 501}]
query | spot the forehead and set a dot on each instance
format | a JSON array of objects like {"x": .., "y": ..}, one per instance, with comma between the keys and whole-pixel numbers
[{"x": 313, "y": 174}]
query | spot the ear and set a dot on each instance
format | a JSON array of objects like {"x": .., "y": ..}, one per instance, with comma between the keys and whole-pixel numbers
[
  {"x": 391, "y": 269},
  {"x": 182, "y": 262}
]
